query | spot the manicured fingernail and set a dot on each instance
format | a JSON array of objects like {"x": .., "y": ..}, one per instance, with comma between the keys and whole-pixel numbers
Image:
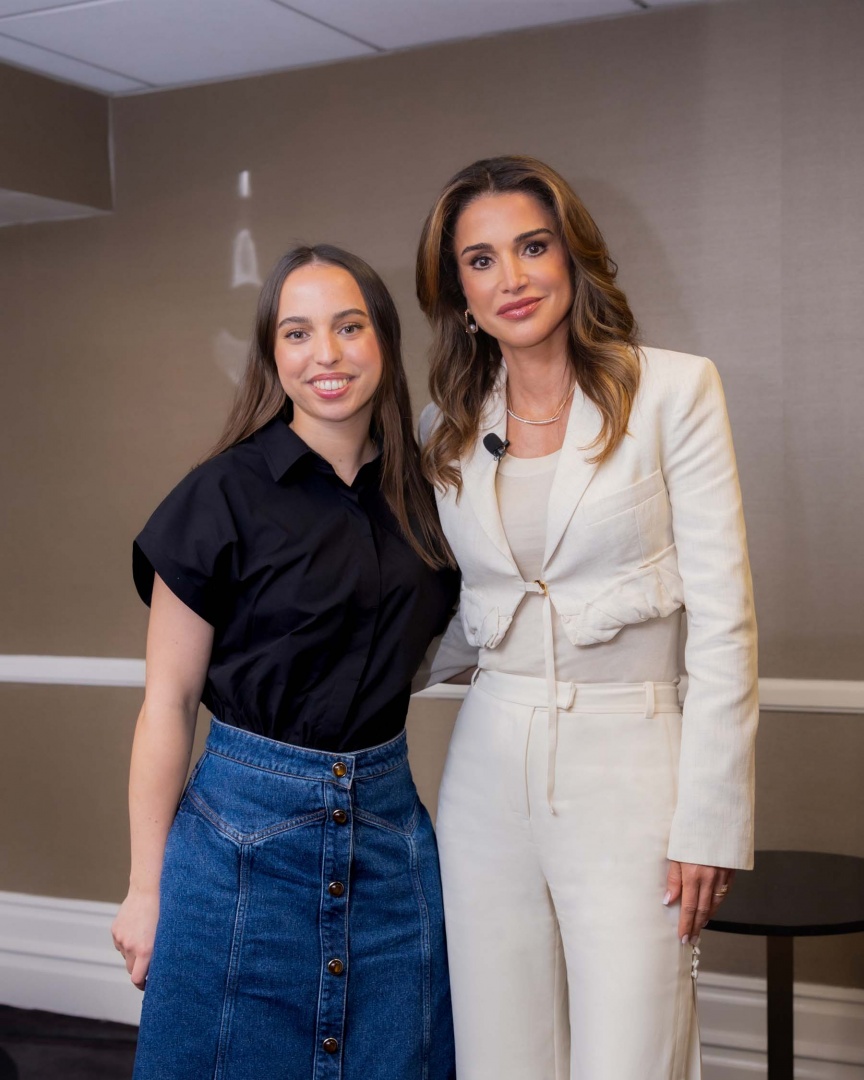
[
  {"x": 685, "y": 940},
  {"x": 667, "y": 897}
]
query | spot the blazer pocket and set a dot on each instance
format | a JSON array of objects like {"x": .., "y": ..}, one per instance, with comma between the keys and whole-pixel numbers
[
  {"x": 651, "y": 592},
  {"x": 482, "y": 621},
  {"x": 624, "y": 499}
]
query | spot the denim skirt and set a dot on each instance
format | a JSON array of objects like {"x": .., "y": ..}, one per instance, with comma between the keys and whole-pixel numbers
[{"x": 301, "y": 929}]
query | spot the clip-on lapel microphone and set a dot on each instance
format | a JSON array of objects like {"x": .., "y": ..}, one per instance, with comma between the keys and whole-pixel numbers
[{"x": 496, "y": 446}]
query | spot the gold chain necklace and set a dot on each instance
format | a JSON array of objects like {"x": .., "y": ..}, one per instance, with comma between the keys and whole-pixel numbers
[{"x": 550, "y": 420}]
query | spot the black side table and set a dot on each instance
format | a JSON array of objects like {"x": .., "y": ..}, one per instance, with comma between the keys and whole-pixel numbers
[{"x": 791, "y": 894}]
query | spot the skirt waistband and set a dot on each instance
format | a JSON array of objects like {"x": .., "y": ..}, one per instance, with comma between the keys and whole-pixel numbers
[
  {"x": 648, "y": 697},
  {"x": 336, "y": 768}
]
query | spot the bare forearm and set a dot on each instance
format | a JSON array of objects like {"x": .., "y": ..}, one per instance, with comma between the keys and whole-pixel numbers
[
  {"x": 179, "y": 643},
  {"x": 160, "y": 762}
]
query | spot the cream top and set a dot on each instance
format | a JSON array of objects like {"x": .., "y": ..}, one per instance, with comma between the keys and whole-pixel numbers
[{"x": 642, "y": 652}]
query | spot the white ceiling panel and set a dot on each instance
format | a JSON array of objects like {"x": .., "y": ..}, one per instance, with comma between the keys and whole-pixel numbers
[
  {"x": 122, "y": 46},
  {"x": 170, "y": 42},
  {"x": 395, "y": 24},
  {"x": 58, "y": 66},
  {"x": 19, "y": 7}
]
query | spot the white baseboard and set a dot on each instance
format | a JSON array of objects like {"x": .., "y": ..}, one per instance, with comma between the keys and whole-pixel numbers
[
  {"x": 746, "y": 1065},
  {"x": 57, "y": 955},
  {"x": 829, "y": 1029}
]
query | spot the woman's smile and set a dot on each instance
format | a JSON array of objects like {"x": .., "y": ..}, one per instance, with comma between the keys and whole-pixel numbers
[
  {"x": 330, "y": 386},
  {"x": 520, "y": 309}
]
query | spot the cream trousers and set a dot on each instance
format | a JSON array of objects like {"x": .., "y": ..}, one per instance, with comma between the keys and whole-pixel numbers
[{"x": 564, "y": 963}]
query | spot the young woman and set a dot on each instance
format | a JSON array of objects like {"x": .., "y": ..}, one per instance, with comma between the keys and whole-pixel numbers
[
  {"x": 588, "y": 489},
  {"x": 295, "y": 580}
]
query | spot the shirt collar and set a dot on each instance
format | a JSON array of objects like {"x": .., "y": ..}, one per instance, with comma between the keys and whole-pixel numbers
[{"x": 281, "y": 446}]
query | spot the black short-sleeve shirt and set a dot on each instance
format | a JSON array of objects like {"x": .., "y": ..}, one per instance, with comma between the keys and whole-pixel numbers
[{"x": 321, "y": 611}]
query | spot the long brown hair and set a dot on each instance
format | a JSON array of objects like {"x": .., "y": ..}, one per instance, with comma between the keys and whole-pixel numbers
[
  {"x": 260, "y": 397},
  {"x": 602, "y": 344}
]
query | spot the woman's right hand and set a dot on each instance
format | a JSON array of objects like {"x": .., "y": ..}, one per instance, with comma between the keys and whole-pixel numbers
[{"x": 134, "y": 931}]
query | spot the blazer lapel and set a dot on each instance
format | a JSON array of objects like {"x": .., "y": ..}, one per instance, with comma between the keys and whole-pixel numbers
[
  {"x": 479, "y": 468},
  {"x": 574, "y": 473}
]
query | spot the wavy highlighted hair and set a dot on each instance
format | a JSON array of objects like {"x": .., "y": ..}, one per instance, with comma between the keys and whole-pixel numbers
[
  {"x": 260, "y": 396},
  {"x": 602, "y": 343}
]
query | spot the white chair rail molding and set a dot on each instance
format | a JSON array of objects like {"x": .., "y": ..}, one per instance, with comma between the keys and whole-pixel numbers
[{"x": 775, "y": 695}]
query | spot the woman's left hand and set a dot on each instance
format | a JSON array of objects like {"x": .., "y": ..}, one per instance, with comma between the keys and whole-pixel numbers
[{"x": 701, "y": 889}]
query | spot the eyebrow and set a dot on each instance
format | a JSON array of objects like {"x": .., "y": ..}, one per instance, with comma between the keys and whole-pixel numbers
[
  {"x": 303, "y": 320},
  {"x": 521, "y": 238}
]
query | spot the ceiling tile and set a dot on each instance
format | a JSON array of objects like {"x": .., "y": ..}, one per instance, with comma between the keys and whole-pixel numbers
[
  {"x": 18, "y": 7},
  {"x": 170, "y": 42},
  {"x": 394, "y": 24},
  {"x": 62, "y": 67}
]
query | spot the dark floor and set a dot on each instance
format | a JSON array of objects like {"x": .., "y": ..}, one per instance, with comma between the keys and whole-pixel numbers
[{"x": 45, "y": 1046}]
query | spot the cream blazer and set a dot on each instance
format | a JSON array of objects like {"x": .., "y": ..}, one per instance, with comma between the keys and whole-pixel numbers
[{"x": 656, "y": 527}]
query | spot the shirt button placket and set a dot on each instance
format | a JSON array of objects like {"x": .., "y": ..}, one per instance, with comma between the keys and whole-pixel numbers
[{"x": 338, "y": 836}]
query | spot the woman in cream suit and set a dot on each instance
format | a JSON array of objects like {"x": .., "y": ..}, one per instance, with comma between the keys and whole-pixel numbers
[{"x": 588, "y": 827}]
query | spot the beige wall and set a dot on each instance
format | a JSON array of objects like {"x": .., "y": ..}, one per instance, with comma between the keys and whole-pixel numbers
[
  {"x": 718, "y": 146},
  {"x": 54, "y": 139}
]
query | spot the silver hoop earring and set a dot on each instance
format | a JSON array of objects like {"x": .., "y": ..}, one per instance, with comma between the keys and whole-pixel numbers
[{"x": 471, "y": 326}]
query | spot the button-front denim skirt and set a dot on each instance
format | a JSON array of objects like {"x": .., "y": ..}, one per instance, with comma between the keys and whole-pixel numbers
[{"x": 301, "y": 930}]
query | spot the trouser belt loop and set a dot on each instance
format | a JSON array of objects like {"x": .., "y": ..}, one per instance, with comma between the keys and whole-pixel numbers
[{"x": 649, "y": 700}]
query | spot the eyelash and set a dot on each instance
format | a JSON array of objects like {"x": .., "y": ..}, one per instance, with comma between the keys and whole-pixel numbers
[
  {"x": 298, "y": 335},
  {"x": 533, "y": 243}
]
